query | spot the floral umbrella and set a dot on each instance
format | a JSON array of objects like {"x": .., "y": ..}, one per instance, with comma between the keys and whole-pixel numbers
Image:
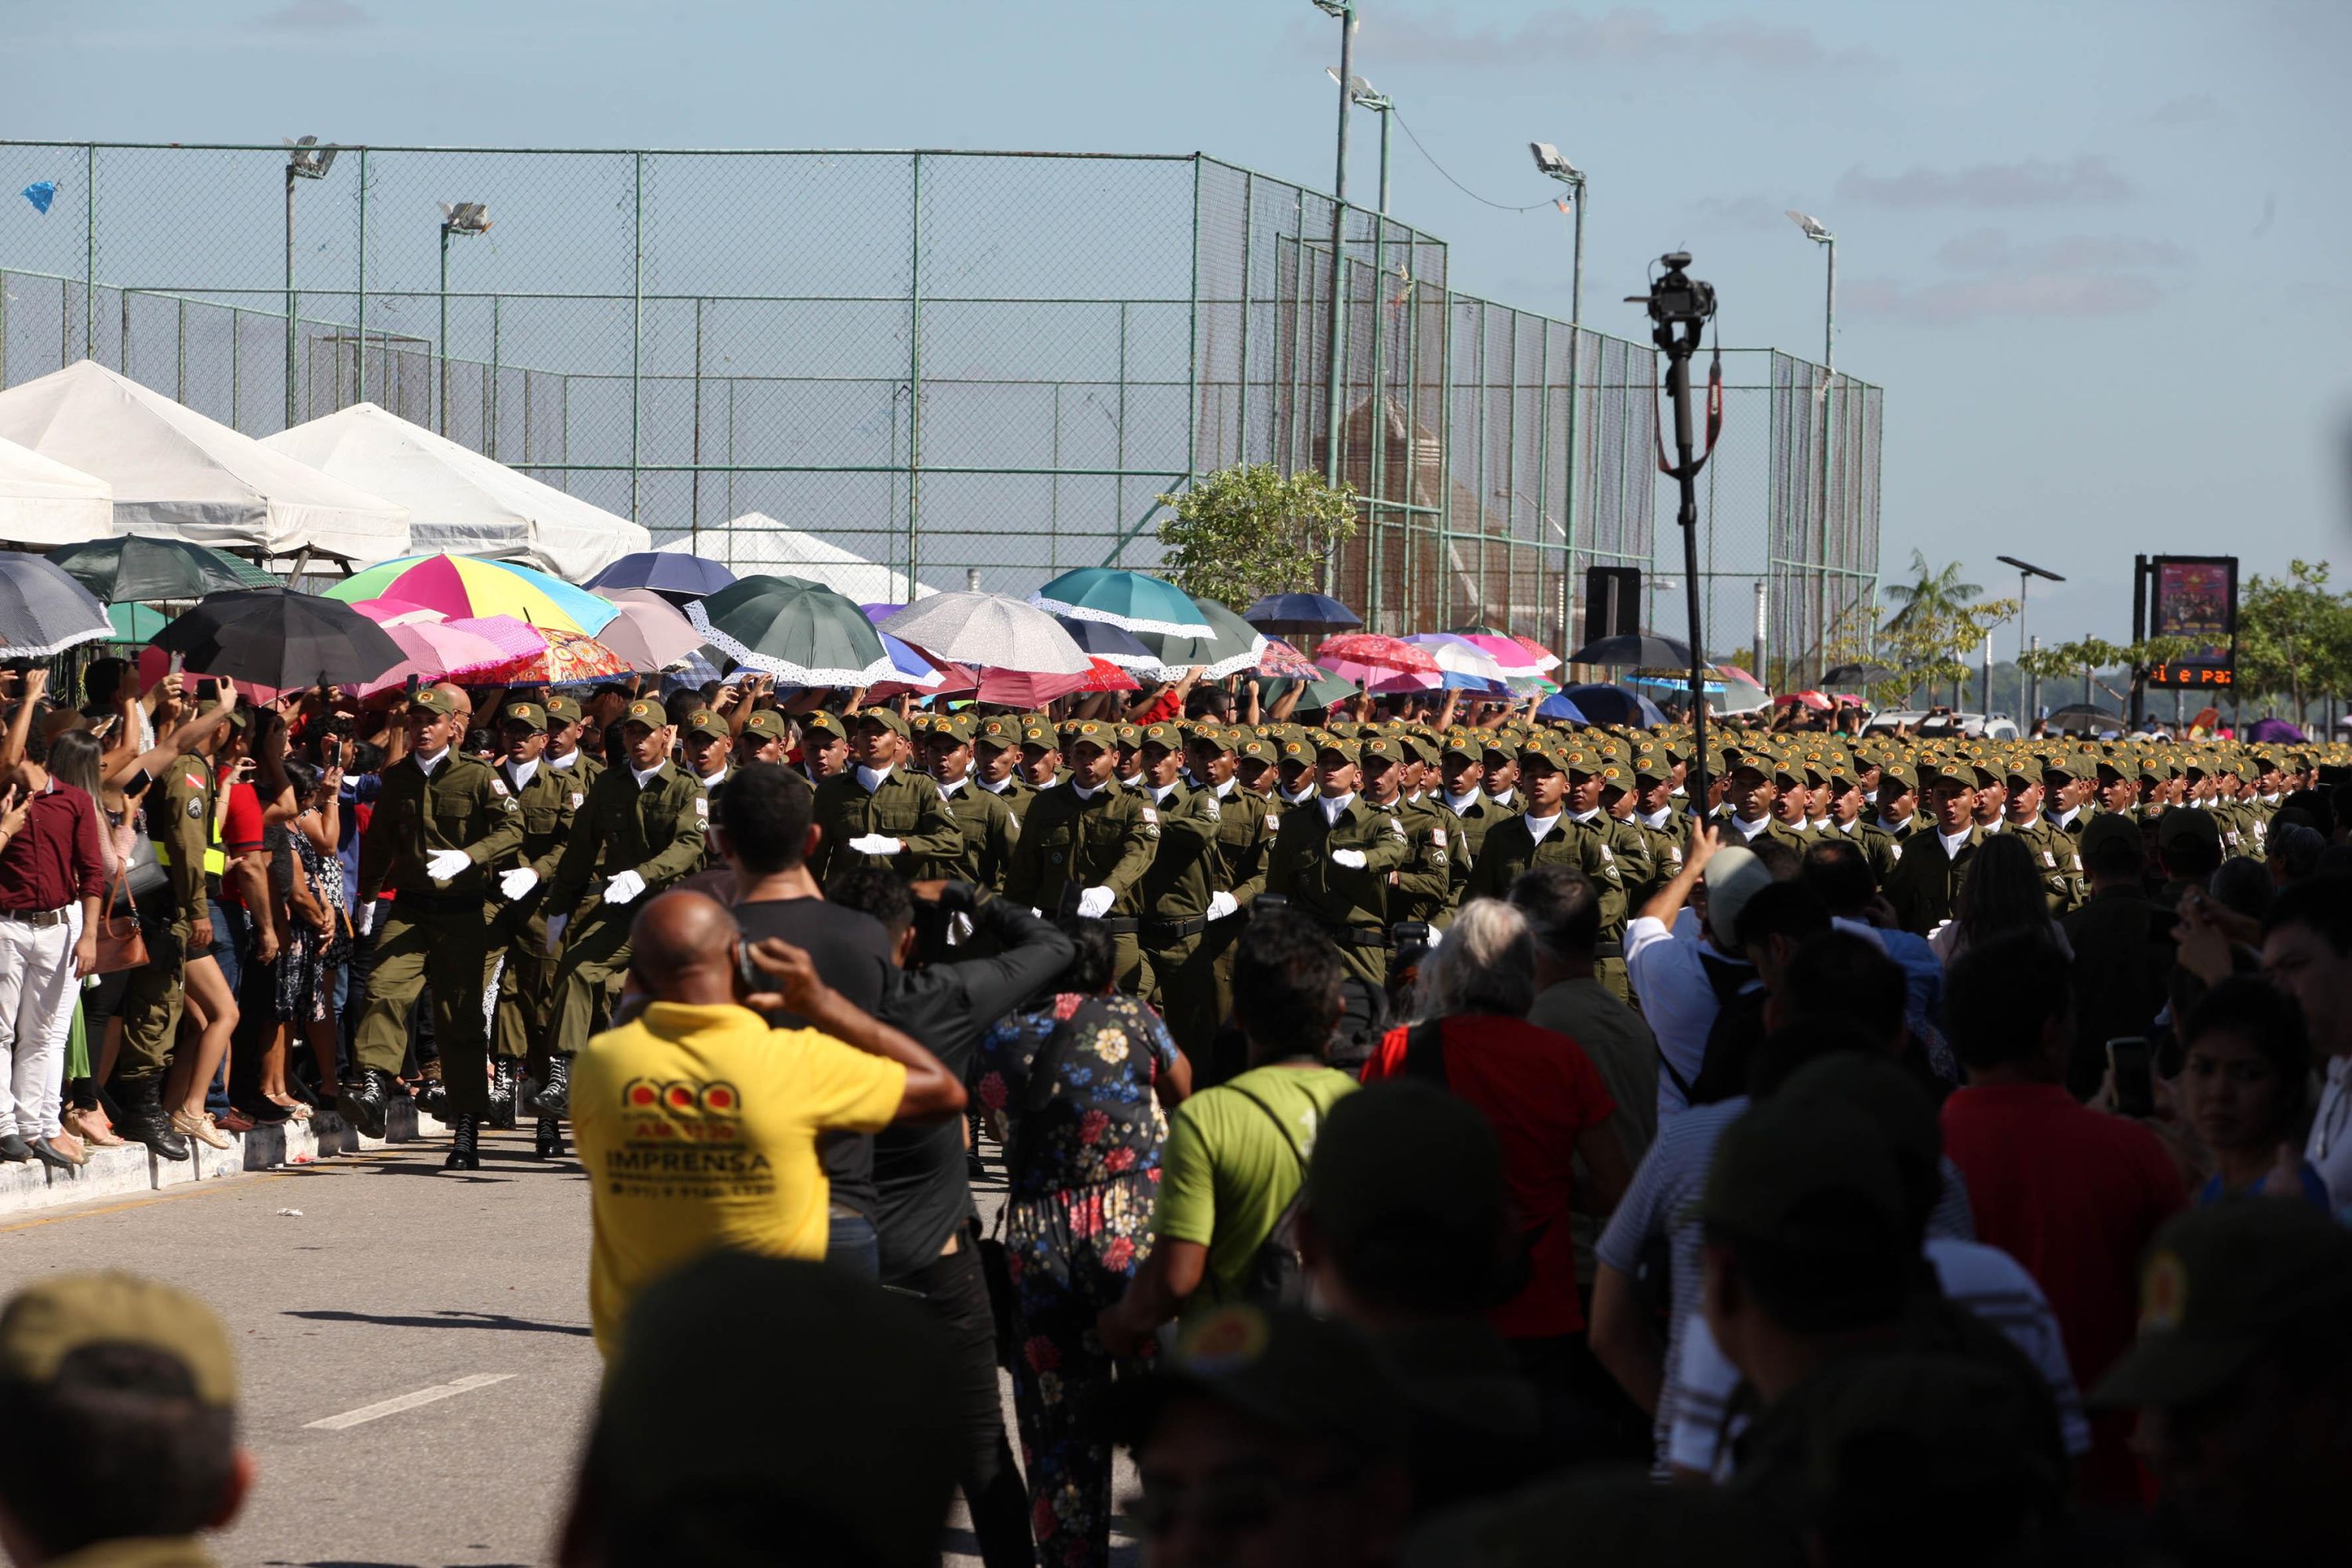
[
  {"x": 1372, "y": 650},
  {"x": 1282, "y": 660},
  {"x": 1108, "y": 677},
  {"x": 568, "y": 657},
  {"x": 436, "y": 651}
]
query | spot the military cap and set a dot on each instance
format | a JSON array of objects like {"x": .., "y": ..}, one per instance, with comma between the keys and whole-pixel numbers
[
  {"x": 1258, "y": 750},
  {"x": 1126, "y": 735},
  {"x": 767, "y": 724},
  {"x": 954, "y": 727},
  {"x": 529, "y": 714},
  {"x": 1652, "y": 762},
  {"x": 1297, "y": 749},
  {"x": 1381, "y": 748},
  {"x": 561, "y": 710},
  {"x": 1896, "y": 771},
  {"x": 52, "y": 1319},
  {"x": 1462, "y": 743},
  {"x": 1737, "y": 761},
  {"x": 424, "y": 699},
  {"x": 1214, "y": 737},
  {"x": 1577, "y": 757},
  {"x": 652, "y": 715},
  {"x": 1166, "y": 737},
  {"x": 1339, "y": 745},
  {"x": 1036, "y": 733},
  {"x": 1094, "y": 732},
  {"x": 888, "y": 717},
  {"x": 999, "y": 731},
  {"x": 2223, "y": 1283},
  {"x": 1499, "y": 742},
  {"x": 1416, "y": 748},
  {"x": 822, "y": 723},
  {"x": 1977, "y": 772},
  {"x": 703, "y": 722}
]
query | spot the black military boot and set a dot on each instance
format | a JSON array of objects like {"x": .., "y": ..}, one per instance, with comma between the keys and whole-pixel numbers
[
  {"x": 555, "y": 1094},
  {"x": 432, "y": 1092},
  {"x": 503, "y": 1094},
  {"x": 143, "y": 1120},
  {"x": 365, "y": 1098},
  {"x": 550, "y": 1144},
  {"x": 464, "y": 1144}
]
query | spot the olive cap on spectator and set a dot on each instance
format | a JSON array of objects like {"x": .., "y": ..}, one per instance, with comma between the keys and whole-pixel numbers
[
  {"x": 1314, "y": 1376},
  {"x": 2106, "y": 826},
  {"x": 2223, "y": 1284},
  {"x": 49, "y": 1321}
]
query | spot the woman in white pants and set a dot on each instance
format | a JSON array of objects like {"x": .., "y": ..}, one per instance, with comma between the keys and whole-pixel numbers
[{"x": 52, "y": 875}]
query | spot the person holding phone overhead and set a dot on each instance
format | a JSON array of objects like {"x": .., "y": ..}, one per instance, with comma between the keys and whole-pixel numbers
[{"x": 442, "y": 820}]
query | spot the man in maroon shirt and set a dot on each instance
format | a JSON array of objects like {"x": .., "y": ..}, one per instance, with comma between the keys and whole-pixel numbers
[
  {"x": 51, "y": 878},
  {"x": 2072, "y": 1194}
]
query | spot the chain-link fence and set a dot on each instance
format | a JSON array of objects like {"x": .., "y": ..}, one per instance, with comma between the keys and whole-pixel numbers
[{"x": 947, "y": 363}]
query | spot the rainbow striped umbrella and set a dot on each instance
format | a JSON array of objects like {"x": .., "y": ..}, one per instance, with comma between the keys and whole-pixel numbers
[{"x": 463, "y": 587}]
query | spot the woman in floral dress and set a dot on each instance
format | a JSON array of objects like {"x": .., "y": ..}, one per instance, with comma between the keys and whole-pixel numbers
[{"x": 1081, "y": 1086}]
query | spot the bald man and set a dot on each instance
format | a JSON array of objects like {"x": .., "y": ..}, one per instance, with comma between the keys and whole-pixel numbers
[{"x": 697, "y": 1121}]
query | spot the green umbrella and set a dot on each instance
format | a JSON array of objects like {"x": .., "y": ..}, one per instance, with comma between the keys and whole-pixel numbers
[
  {"x": 134, "y": 567},
  {"x": 136, "y": 624},
  {"x": 802, "y": 634},
  {"x": 1232, "y": 646}
]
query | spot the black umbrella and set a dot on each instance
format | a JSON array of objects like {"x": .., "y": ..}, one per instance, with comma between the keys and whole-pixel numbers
[
  {"x": 1115, "y": 645},
  {"x": 2085, "y": 719},
  {"x": 1294, "y": 615},
  {"x": 1860, "y": 675},
  {"x": 44, "y": 612},
  {"x": 1642, "y": 652},
  {"x": 133, "y": 568},
  {"x": 277, "y": 638}
]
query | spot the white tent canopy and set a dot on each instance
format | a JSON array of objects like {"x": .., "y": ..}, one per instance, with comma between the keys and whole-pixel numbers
[
  {"x": 43, "y": 502},
  {"x": 457, "y": 500},
  {"x": 179, "y": 475},
  {"x": 757, "y": 542}
]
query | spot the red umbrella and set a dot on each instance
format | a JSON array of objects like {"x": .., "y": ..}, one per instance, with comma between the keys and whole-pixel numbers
[
  {"x": 1809, "y": 698},
  {"x": 1282, "y": 660},
  {"x": 1022, "y": 688},
  {"x": 1108, "y": 677},
  {"x": 1373, "y": 649}
]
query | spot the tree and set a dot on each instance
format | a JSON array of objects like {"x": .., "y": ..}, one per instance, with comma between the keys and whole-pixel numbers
[
  {"x": 1248, "y": 531},
  {"x": 2294, "y": 635},
  {"x": 1934, "y": 593}
]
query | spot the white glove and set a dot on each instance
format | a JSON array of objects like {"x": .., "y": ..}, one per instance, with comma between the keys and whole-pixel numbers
[
  {"x": 1096, "y": 903},
  {"x": 1221, "y": 905},
  {"x": 875, "y": 844},
  {"x": 622, "y": 887},
  {"x": 367, "y": 918},
  {"x": 1434, "y": 937},
  {"x": 555, "y": 924},
  {"x": 444, "y": 864},
  {"x": 517, "y": 882},
  {"x": 1354, "y": 859}
]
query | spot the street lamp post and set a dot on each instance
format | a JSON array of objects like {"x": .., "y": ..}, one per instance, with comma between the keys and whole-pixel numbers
[
  {"x": 2026, "y": 573},
  {"x": 1547, "y": 159},
  {"x": 1361, "y": 95},
  {"x": 1345, "y": 11},
  {"x": 1820, "y": 235},
  {"x": 305, "y": 160},
  {"x": 456, "y": 219},
  {"x": 1550, "y": 162}
]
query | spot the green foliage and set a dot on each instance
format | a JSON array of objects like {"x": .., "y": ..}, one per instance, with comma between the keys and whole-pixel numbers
[
  {"x": 2294, "y": 635},
  {"x": 1248, "y": 531},
  {"x": 1938, "y": 626}
]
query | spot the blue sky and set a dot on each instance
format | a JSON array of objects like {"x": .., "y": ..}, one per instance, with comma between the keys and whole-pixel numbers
[{"x": 2094, "y": 251}]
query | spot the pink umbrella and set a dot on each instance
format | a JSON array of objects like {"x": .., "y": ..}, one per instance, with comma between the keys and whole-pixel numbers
[
  {"x": 396, "y": 612},
  {"x": 514, "y": 639},
  {"x": 1369, "y": 649},
  {"x": 649, "y": 632},
  {"x": 1512, "y": 653},
  {"x": 436, "y": 651},
  {"x": 1019, "y": 688}
]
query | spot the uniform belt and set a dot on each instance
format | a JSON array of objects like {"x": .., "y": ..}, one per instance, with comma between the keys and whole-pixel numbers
[
  {"x": 1167, "y": 933},
  {"x": 1608, "y": 950},
  {"x": 1355, "y": 936},
  {"x": 56, "y": 917},
  {"x": 1122, "y": 926},
  {"x": 410, "y": 899}
]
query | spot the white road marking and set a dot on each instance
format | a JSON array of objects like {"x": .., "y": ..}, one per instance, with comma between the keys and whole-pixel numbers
[{"x": 393, "y": 1406}]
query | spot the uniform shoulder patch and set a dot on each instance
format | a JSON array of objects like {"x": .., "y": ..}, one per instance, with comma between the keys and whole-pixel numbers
[
  {"x": 576, "y": 799},
  {"x": 2048, "y": 859},
  {"x": 195, "y": 807},
  {"x": 1437, "y": 836},
  {"x": 1895, "y": 849},
  {"x": 498, "y": 784},
  {"x": 1151, "y": 816},
  {"x": 702, "y": 808},
  {"x": 1272, "y": 822}
]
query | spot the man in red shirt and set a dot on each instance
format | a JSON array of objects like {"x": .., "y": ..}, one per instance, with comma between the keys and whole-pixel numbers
[
  {"x": 2072, "y": 1194},
  {"x": 52, "y": 877}
]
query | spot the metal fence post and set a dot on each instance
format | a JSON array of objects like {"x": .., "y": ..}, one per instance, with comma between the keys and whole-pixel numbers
[
  {"x": 636, "y": 339},
  {"x": 1119, "y": 433},
  {"x": 1376, "y": 453},
  {"x": 1249, "y": 230},
  {"x": 1191, "y": 351},
  {"x": 694, "y": 518},
  {"x": 90, "y": 252},
  {"x": 490, "y": 400},
  {"x": 1445, "y": 459},
  {"x": 362, "y": 356},
  {"x": 915, "y": 378}
]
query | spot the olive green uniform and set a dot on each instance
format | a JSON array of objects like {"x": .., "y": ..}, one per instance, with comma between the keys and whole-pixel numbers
[
  {"x": 1069, "y": 844},
  {"x": 1926, "y": 880},
  {"x": 1184, "y": 874},
  {"x": 1351, "y": 904},
  {"x": 180, "y": 822},
  {"x": 905, "y": 806},
  {"x": 1512, "y": 848},
  {"x": 526, "y": 979},
  {"x": 435, "y": 935},
  {"x": 986, "y": 831},
  {"x": 1423, "y": 890},
  {"x": 657, "y": 830}
]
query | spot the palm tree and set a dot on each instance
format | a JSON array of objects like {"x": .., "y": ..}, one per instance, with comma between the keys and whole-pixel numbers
[{"x": 1934, "y": 593}]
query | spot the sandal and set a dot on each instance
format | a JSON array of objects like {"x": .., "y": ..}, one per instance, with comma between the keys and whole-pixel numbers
[{"x": 202, "y": 1128}]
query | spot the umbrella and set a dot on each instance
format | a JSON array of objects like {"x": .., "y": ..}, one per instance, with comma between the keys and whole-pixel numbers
[
  {"x": 515, "y": 639},
  {"x": 674, "y": 574},
  {"x": 1291, "y": 614},
  {"x": 2085, "y": 719},
  {"x": 568, "y": 658},
  {"x": 133, "y": 566},
  {"x": 1562, "y": 708},
  {"x": 648, "y": 632},
  {"x": 435, "y": 650},
  {"x": 1372, "y": 650},
  {"x": 396, "y": 612},
  {"x": 1458, "y": 655},
  {"x": 801, "y": 634},
  {"x": 280, "y": 638},
  {"x": 913, "y": 672},
  {"x": 43, "y": 611},
  {"x": 1103, "y": 641},
  {"x": 1675, "y": 683},
  {"x": 462, "y": 585},
  {"x": 1864, "y": 674},
  {"x": 1321, "y": 694},
  {"x": 1108, "y": 677},
  {"x": 2265, "y": 730},
  {"x": 989, "y": 631},
  {"x": 1232, "y": 646},
  {"x": 1282, "y": 660},
  {"x": 1647, "y": 652},
  {"x": 136, "y": 624},
  {"x": 1511, "y": 653},
  {"x": 1028, "y": 689},
  {"x": 1809, "y": 698},
  {"x": 1134, "y": 600},
  {"x": 1610, "y": 704}
]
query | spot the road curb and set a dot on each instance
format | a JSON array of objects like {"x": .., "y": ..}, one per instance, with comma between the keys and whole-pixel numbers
[{"x": 119, "y": 1172}]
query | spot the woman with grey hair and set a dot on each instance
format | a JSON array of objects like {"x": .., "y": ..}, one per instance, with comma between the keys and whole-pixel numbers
[{"x": 1547, "y": 1105}]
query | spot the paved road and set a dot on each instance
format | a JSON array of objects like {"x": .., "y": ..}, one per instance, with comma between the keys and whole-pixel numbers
[{"x": 395, "y": 1280}]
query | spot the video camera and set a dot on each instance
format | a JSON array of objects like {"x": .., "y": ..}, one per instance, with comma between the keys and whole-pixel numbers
[{"x": 1677, "y": 296}]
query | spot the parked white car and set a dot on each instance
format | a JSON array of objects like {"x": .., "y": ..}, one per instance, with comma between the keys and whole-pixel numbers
[{"x": 1943, "y": 722}]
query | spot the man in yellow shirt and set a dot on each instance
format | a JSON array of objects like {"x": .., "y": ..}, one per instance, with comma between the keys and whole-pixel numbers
[{"x": 697, "y": 1122}]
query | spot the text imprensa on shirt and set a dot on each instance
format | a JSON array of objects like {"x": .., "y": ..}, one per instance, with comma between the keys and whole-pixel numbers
[{"x": 698, "y": 1127}]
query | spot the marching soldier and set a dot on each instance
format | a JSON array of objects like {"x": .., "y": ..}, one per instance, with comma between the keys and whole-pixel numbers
[
  {"x": 1664, "y": 830},
  {"x": 879, "y": 814},
  {"x": 1546, "y": 833},
  {"x": 1084, "y": 846},
  {"x": 824, "y": 746},
  {"x": 1422, "y": 887},
  {"x": 564, "y": 753},
  {"x": 1182, "y": 891},
  {"x": 641, "y": 828},
  {"x": 2053, "y": 851},
  {"x": 1935, "y": 863},
  {"x": 1245, "y": 832},
  {"x": 521, "y": 976},
  {"x": 985, "y": 822},
  {"x": 764, "y": 738},
  {"x": 996, "y": 762},
  {"x": 1332, "y": 856},
  {"x": 1462, "y": 773},
  {"x": 442, "y": 821}
]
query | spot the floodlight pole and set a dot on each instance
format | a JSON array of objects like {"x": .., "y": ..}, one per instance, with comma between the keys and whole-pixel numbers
[
  {"x": 1345, "y": 10},
  {"x": 1828, "y": 312},
  {"x": 290, "y": 292},
  {"x": 441, "y": 344}
]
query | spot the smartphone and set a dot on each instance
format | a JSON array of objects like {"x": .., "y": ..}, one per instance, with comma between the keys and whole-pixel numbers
[
  {"x": 747, "y": 973},
  {"x": 179, "y": 661},
  {"x": 208, "y": 691},
  {"x": 411, "y": 688},
  {"x": 2135, "y": 1074}
]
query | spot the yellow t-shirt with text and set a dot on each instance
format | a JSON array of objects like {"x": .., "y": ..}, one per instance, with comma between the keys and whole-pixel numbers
[{"x": 697, "y": 1127}]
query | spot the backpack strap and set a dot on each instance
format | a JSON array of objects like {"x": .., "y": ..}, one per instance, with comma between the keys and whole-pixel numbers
[{"x": 1280, "y": 1127}]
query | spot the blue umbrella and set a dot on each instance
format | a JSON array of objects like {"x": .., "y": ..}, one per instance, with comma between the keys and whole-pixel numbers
[
  {"x": 669, "y": 573},
  {"x": 1102, "y": 640},
  {"x": 1612, "y": 705},
  {"x": 1673, "y": 683},
  {"x": 1562, "y": 708},
  {"x": 1288, "y": 614},
  {"x": 1134, "y": 600}
]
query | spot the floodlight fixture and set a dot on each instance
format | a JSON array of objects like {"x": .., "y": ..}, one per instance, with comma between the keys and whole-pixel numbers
[
  {"x": 2030, "y": 569},
  {"x": 1342, "y": 8},
  {"x": 1547, "y": 159},
  {"x": 464, "y": 217},
  {"x": 306, "y": 159},
  {"x": 1815, "y": 229},
  {"x": 1362, "y": 93}
]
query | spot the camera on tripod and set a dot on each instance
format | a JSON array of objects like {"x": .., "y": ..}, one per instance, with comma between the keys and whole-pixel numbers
[{"x": 1677, "y": 297}]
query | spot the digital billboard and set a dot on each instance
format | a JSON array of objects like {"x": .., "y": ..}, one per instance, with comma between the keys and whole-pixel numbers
[{"x": 2194, "y": 598}]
